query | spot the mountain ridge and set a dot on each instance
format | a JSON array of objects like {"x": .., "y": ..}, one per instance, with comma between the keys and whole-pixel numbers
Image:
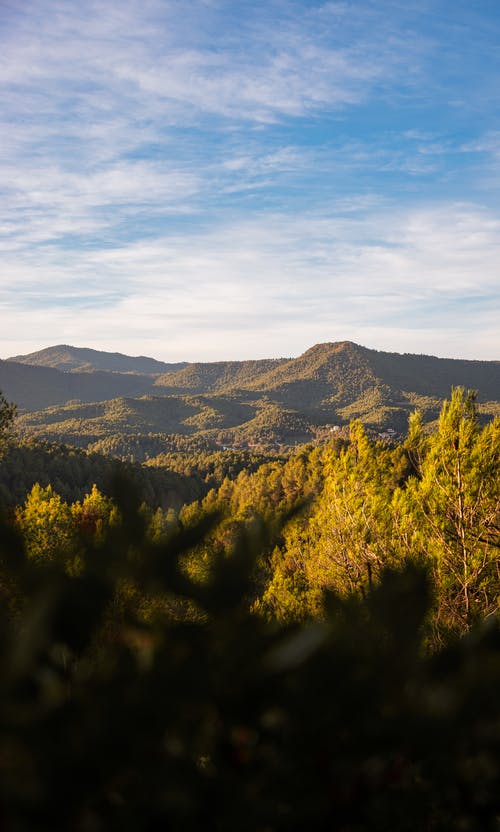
[
  {"x": 67, "y": 358},
  {"x": 257, "y": 401}
]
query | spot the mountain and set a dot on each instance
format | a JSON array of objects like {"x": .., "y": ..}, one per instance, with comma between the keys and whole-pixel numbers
[
  {"x": 265, "y": 403},
  {"x": 336, "y": 373},
  {"x": 71, "y": 359},
  {"x": 380, "y": 388},
  {"x": 343, "y": 371}
]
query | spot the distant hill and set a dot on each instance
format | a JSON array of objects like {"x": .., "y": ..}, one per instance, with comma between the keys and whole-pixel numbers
[
  {"x": 378, "y": 387},
  {"x": 219, "y": 376},
  {"x": 34, "y": 388},
  {"x": 335, "y": 373},
  {"x": 140, "y": 427},
  {"x": 269, "y": 402},
  {"x": 343, "y": 371},
  {"x": 71, "y": 359},
  {"x": 148, "y": 414}
]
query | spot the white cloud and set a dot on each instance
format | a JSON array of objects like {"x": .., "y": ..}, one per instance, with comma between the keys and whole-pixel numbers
[
  {"x": 47, "y": 204},
  {"x": 94, "y": 96},
  {"x": 275, "y": 285}
]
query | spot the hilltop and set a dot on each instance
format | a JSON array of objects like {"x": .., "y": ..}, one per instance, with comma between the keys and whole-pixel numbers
[{"x": 79, "y": 359}]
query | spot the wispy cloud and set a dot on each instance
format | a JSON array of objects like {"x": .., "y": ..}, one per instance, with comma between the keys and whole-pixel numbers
[
  {"x": 97, "y": 99},
  {"x": 244, "y": 288},
  {"x": 217, "y": 179},
  {"x": 92, "y": 58}
]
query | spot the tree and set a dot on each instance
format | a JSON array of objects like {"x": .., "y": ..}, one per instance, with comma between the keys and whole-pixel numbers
[
  {"x": 8, "y": 412},
  {"x": 47, "y": 526},
  {"x": 348, "y": 536},
  {"x": 454, "y": 508},
  {"x": 94, "y": 514},
  {"x": 343, "y": 537}
]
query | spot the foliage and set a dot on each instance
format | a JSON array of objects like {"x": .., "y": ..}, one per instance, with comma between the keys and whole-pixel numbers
[
  {"x": 436, "y": 501},
  {"x": 47, "y": 525},
  {"x": 454, "y": 503},
  {"x": 211, "y": 467},
  {"x": 345, "y": 538},
  {"x": 7, "y": 415},
  {"x": 72, "y": 472},
  {"x": 113, "y": 720},
  {"x": 94, "y": 515}
]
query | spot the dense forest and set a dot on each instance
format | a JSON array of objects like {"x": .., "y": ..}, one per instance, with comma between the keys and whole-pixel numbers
[
  {"x": 365, "y": 504},
  {"x": 226, "y": 639}
]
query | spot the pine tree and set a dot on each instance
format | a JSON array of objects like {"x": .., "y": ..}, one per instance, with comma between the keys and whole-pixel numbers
[{"x": 454, "y": 503}]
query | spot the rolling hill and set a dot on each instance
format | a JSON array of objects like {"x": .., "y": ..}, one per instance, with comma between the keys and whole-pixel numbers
[
  {"x": 70, "y": 359},
  {"x": 269, "y": 402},
  {"x": 219, "y": 376}
]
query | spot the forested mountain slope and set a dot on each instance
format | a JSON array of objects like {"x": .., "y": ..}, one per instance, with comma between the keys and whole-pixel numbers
[
  {"x": 219, "y": 376},
  {"x": 73, "y": 472},
  {"x": 34, "y": 388},
  {"x": 146, "y": 426},
  {"x": 168, "y": 414},
  {"x": 342, "y": 372},
  {"x": 327, "y": 374},
  {"x": 430, "y": 376}
]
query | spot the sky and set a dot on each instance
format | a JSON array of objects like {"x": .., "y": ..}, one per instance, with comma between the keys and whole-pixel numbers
[{"x": 212, "y": 180}]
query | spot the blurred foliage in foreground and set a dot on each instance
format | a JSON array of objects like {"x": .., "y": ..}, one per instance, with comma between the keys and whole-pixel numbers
[{"x": 134, "y": 699}]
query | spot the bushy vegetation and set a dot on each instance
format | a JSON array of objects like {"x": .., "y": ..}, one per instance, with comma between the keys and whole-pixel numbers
[{"x": 135, "y": 698}]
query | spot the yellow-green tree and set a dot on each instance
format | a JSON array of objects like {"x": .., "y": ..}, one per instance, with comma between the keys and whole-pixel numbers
[
  {"x": 453, "y": 506},
  {"x": 47, "y": 525},
  {"x": 345, "y": 538},
  {"x": 94, "y": 514},
  {"x": 350, "y": 530}
]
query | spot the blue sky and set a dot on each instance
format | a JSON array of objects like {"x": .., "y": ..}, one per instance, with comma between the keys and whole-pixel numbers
[{"x": 215, "y": 179}]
